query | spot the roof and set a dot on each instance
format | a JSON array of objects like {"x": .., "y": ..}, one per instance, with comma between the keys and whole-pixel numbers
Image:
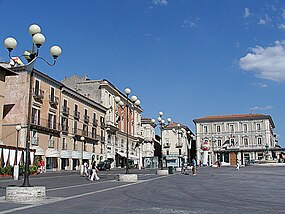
[
  {"x": 8, "y": 72},
  {"x": 234, "y": 117}
]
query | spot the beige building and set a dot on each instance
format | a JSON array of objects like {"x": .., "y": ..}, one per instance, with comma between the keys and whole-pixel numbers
[
  {"x": 235, "y": 138},
  {"x": 104, "y": 92},
  {"x": 147, "y": 148},
  {"x": 4, "y": 72},
  {"x": 176, "y": 142},
  {"x": 53, "y": 134}
]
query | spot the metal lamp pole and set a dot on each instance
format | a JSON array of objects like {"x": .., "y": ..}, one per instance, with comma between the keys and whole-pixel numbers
[
  {"x": 161, "y": 123},
  {"x": 31, "y": 56},
  {"x": 82, "y": 165},
  {"x": 16, "y": 167}
]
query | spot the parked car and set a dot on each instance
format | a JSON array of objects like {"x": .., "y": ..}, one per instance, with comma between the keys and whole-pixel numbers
[{"x": 104, "y": 165}]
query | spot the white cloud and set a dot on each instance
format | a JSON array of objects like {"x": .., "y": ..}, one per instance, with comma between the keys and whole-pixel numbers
[
  {"x": 281, "y": 26},
  {"x": 261, "y": 108},
  {"x": 160, "y": 2},
  {"x": 188, "y": 23},
  {"x": 261, "y": 85},
  {"x": 266, "y": 63},
  {"x": 246, "y": 13},
  {"x": 265, "y": 20}
]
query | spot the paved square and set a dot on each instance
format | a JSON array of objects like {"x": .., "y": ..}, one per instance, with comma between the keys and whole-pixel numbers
[{"x": 251, "y": 189}]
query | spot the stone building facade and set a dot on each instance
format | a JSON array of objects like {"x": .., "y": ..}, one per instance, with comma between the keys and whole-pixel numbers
[
  {"x": 53, "y": 135},
  {"x": 104, "y": 92},
  {"x": 235, "y": 138}
]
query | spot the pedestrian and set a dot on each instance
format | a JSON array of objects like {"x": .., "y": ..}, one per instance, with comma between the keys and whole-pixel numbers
[
  {"x": 237, "y": 165},
  {"x": 94, "y": 172},
  {"x": 194, "y": 166}
]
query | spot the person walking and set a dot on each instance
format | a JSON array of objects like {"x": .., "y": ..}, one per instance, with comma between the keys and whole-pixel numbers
[
  {"x": 237, "y": 164},
  {"x": 94, "y": 172},
  {"x": 194, "y": 167}
]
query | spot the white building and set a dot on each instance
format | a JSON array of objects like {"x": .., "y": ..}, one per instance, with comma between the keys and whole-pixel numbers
[
  {"x": 149, "y": 160},
  {"x": 233, "y": 138},
  {"x": 176, "y": 144}
]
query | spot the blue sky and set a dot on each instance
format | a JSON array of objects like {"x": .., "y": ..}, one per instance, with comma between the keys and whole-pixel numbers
[{"x": 189, "y": 59}]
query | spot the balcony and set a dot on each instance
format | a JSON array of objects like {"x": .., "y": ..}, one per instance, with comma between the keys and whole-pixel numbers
[
  {"x": 51, "y": 143},
  {"x": 65, "y": 110},
  {"x": 95, "y": 122},
  {"x": 45, "y": 125},
  {"x": 166, "y": 145},
  {"x": 76, "y": 115},
  {"x": 102, "y": 124},
  {"x": 38, "y": 94},
  {"x": 86, "y": 119},
  {"x": 85, "y": 133},
  {"x": 64, "y": 128},
  {"x": 53, "y": 101},
  {"x": 179, "y": 145}
]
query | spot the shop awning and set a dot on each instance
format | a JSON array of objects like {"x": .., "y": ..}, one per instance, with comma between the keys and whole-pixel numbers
[
  {"x": 121, "y": 154},
  {"x": 39, "y": 150},
  {"x": 87, "y": 155},
  {"x": 76, "y": 155},
  {"x": 52, "y": 153},
  {"x": 65, "y": 154},
  {"x": 133, "y": 157}
]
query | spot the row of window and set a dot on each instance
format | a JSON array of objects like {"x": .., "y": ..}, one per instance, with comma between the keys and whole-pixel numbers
[{"x": 232, "y": 128}]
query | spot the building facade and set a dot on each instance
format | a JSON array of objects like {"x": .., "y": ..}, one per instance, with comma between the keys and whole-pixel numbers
[
  {"x": 104, "y": 92},
  {"x": 147, "y": 149},
  {"x": 234, "y": 138},
  {"x": 176, "y": 144},
  {"x": 56, "y": 127},
  {"x": 4, "y": 72}
]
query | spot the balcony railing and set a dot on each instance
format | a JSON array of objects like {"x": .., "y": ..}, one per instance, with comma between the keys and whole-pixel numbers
[
  {"x": 179, "y": 145},
  {"x": 86, "y": 119},
  {"x": 53, "y": 100},
  {"x": 49, "y": 124},
  {"x": 87, "y": 134},
  {"x": 102, "y": 124},
  {"x": 64, "y": 128},
  {"x": 76, "y": 115},
  {"x": 95, "y": 122},
  {"x": 38, "y": 94},
  {"x": 65, "y": 110},
  {"x": 166, "y": 145}
]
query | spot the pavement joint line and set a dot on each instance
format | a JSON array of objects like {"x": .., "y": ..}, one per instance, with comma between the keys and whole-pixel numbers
[
  {"x": 79, "y": 185},
  {"x": 80, "y": 195}
]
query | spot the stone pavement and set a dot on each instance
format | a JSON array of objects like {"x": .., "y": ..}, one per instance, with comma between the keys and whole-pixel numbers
[{"x": 214, "y": 190}]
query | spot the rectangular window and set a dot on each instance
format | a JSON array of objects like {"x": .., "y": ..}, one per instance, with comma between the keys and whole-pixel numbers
[
  {"x": 64, "y": 146},
  {"x": 245, "y": 142},
  {"x": 245, "y": 127},
  {"x": 35, "y": 116},
  {"x": 260, "y": 156},
  {"x": 258, "y": 126},
  {"x": 37, "y": 88},
  {"x": 75, "y": 145},
  {"x": 232, "y": 128},
  {"x": 35, "y": 138},
  {"x": 75, "y": 127},
  {"x": 205, "y": 129},
  {"x": 219, "y": 143},
  {"x": 232, "y": 141},
  {"x": 51, "y": 121},
  {"x": 51, "y": 142},
  {"x": 218, "y": 128},
  {"x": 259, "y": 142}
]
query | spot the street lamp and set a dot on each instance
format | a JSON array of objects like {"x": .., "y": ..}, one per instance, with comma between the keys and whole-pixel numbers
[
  {"x": 134, "y": 102},
  {"x": 82, "y": 165},
  {"x": 162, "y": 124},
  {"x": 16, "y": 167},
  {"x": 31, "y": 56}
]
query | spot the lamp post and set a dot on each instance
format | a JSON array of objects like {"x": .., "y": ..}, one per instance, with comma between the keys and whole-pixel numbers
[
  {"x": 16, "y": 167},
  {"x": 134, "y": 102},
  {"x": 31, "y": 56},
  {"x": 162, "y": 124},
  {"x": 82, "y": 165}
]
